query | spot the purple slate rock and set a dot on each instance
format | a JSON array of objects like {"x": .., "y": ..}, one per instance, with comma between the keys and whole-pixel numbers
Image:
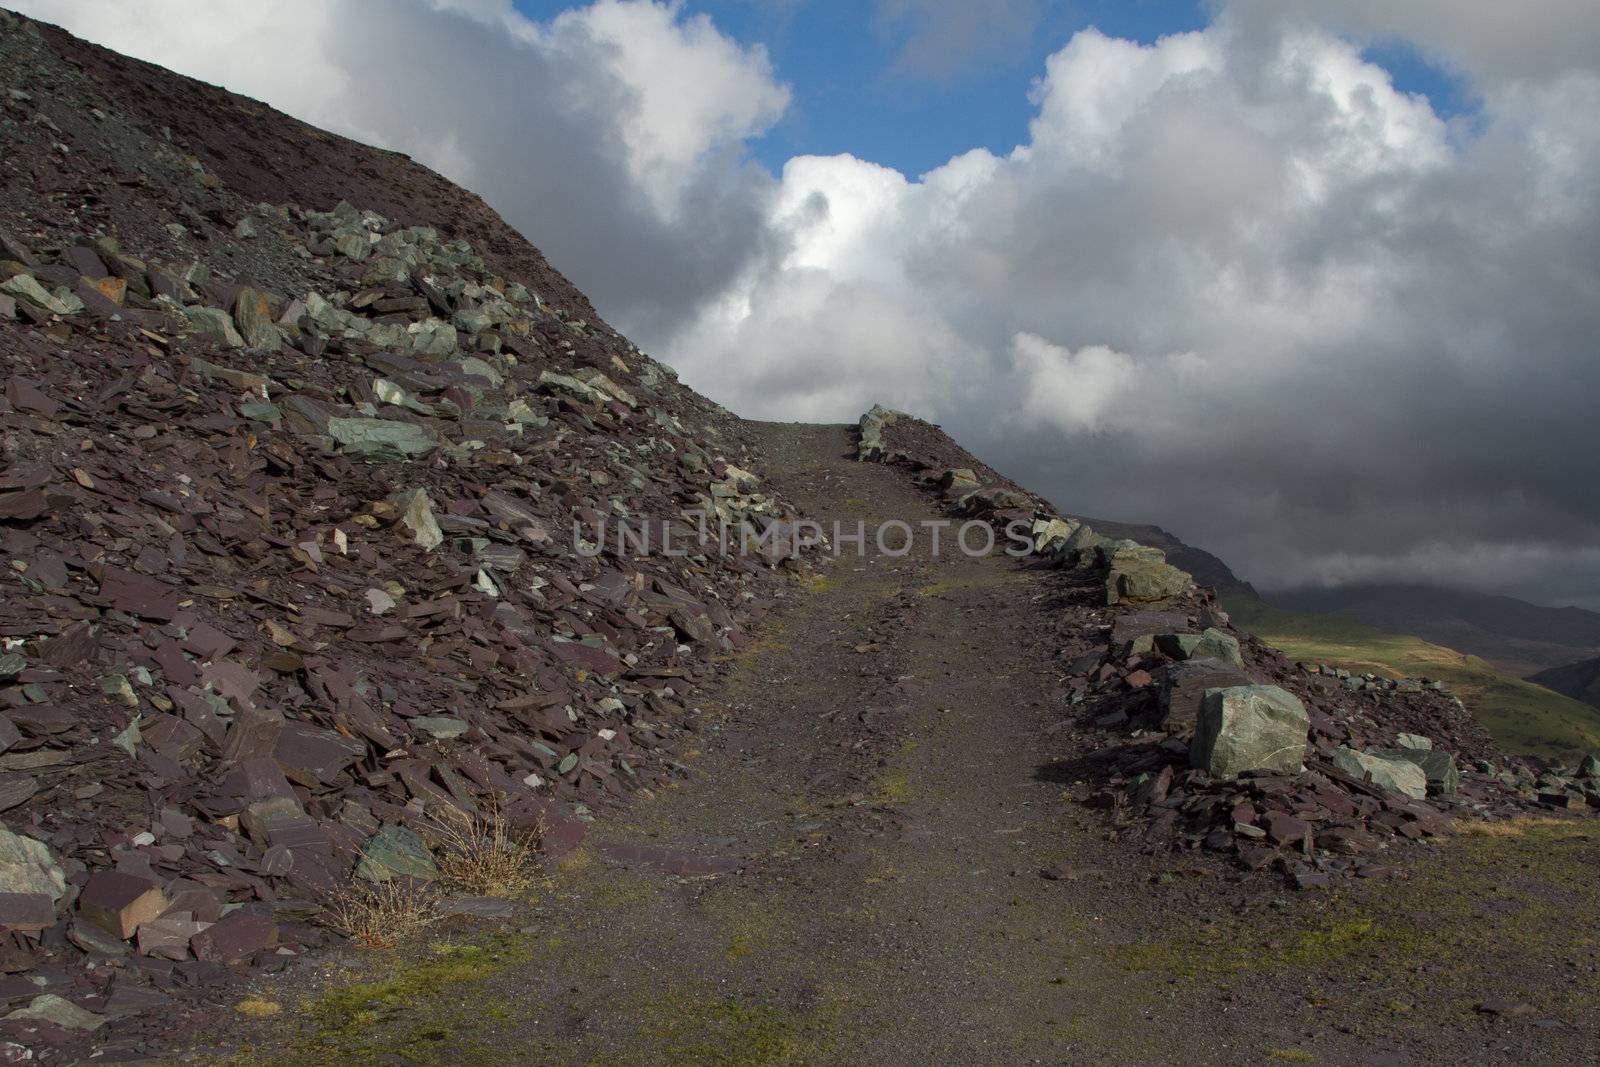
[
  {"x": 168, "y": 937},
  {"x": 136, "y": 594},
  {"x": 313, "y": 757},
  {"x": 118, "y": 901},
  {"x": 234, "y": 938},
  {"x": 27, "y": 912}
]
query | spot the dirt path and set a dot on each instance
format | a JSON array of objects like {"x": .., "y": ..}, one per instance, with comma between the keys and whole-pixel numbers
[{"x": 851, "y": 874}]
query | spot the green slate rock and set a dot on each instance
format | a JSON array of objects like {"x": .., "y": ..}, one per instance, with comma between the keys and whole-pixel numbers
[
  {"x": 252, "y": 314},
  {"x": 395, "y": 852},
  {"x": 26, "y": 866},
  {"x": 443, "y": 727},
  {"x": 1212, "y": 644},
  {"x": 1138, "y": 574},
  {"x": 50, "y": 1008},
  {"x": 380, "y": 439},
  {"x": 1439, "y": 766},
  {"x": 417, "y": 515},
  {"x": 1389, "y": 772},
  {"x": 27, "y": 287},
  {"x": 214, "y": 325},
  {"x": 1250, "y": 728}
]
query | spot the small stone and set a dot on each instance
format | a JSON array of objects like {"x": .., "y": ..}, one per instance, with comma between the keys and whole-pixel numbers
[
  {"x": 417, "y": 515},
  {"x": 51, "y": 1008},
  {"x": 442, "y": 727},
  {"x": 214, "y": 324}
]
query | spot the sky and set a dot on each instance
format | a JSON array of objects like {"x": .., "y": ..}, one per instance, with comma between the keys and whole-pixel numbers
[{"x": 1313, "y": 284}]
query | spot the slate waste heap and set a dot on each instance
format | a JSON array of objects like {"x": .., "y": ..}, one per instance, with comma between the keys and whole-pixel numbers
[
  {"x": 1213, "y": 739},
  {"x": 288, "y": 562}
]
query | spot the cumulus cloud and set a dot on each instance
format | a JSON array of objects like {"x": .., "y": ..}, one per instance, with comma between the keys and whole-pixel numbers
[{"x": 1234, "y": 283}]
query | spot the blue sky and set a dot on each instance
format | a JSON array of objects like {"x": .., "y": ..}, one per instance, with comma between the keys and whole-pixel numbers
[{"x": 858, "y": 91}]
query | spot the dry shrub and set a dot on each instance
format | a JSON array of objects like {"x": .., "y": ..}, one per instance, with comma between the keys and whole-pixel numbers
[
  {"x": 485, "y": 854},
  {"x": 382, "y": 914}
]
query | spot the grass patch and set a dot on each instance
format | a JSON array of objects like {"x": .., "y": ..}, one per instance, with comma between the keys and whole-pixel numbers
[
  {"x": 729, "y": 1032},
  {"x": 1523, "y": 717},
  {"x": 1223, "y": 949},
  {"x": 894, "y": 787},
  {"x": 1534, "y": 826}
]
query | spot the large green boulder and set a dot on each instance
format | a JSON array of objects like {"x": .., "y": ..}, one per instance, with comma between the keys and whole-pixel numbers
[
  {"x": 1389, "y": 772},
  {"x": 1138, "y": 574},
  {"x": 1250, "y": 728}
]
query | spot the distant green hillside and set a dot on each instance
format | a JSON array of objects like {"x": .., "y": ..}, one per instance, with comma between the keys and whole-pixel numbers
[{"x": 1524, "y": 718}]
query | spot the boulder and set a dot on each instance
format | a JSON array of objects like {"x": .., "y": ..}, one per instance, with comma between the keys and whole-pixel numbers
[
  {"x": 1212, "y": 644},
  {"x": 1184, "y": 685},
  {"x": 1392, "y": 774},
  {"x": 1050, "y": 534},
  {"x": 1250, "y": 728},
  {"x": 118, "y": 902},
  {"x": 1444, "y": 777},
  {"x": 1138, "y": 574}
]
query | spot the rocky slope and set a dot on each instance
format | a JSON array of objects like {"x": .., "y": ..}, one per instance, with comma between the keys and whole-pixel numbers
[{"x": 288, "y": 495}]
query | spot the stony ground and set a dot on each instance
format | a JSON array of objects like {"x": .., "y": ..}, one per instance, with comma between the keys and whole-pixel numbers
[{"x": 853, "y": 876}]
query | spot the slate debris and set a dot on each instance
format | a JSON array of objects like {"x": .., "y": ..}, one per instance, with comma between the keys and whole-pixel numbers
[
  {"x": 287, "y": 559},
  {"x": 1136, "y": 674}
]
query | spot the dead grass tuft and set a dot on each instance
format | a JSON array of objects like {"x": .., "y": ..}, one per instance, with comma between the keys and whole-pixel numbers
[
  {"x": 1520, "y": 826},
  {"x": 485, "y": 854},
  {"x": 382, "y": 914}
]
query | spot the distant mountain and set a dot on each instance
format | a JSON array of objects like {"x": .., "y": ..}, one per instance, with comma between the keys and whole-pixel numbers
[
  {"x": 1580, "y": 681},
  {"x": 1512, "y": 634}
]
